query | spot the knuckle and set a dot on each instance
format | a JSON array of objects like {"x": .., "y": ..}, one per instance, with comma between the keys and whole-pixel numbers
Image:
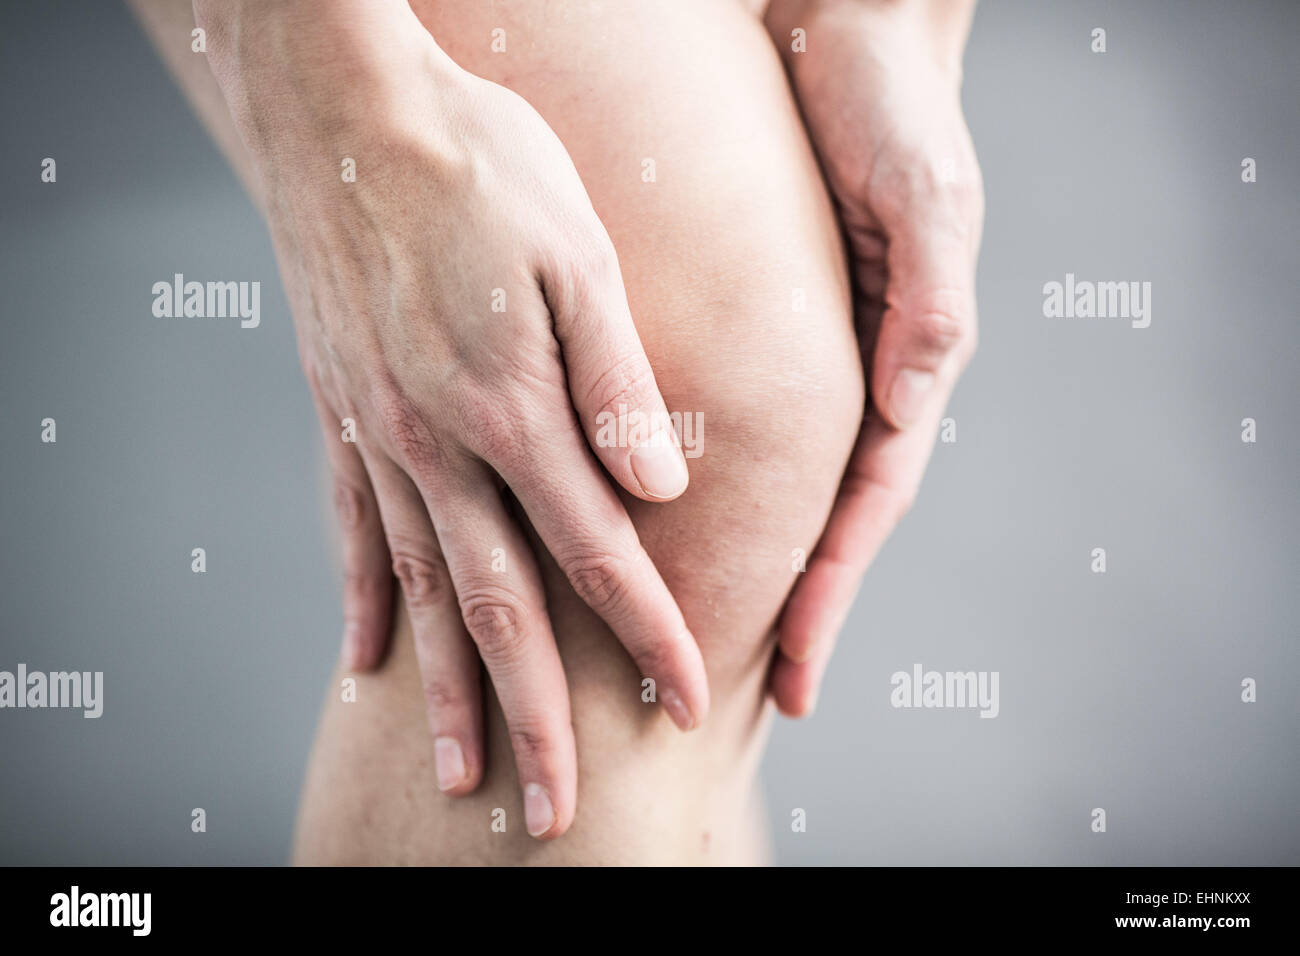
[
  {"x": 941, "y": 320},
  {"x": 582, "y": 265},
  {"x": 625, "y": 385},
  {"x": 406, "y": 428},
  {"x": 940, "y": 331},
  {"x": 529, "y": 741},
  {"x": 493, "y": 432},
  {"x": 600, "y": 581},
  {"x": 440, "y": 695},
  {"x": 891, "y": 501},
  {"x": 351, "y": 503},
  {"x": 593, "y": 261},
  {"x": 918, "y": 188},
  {"x": 587, "y": 276},
  {"x": 662, "y": 659},
  {"x": 363, "y": 584},
  {"x": 496, "y": 625},
  {"x": 421, "y": 575},
  {"x": 907, "y": 186},
  {"x": 967, "y": 193}
]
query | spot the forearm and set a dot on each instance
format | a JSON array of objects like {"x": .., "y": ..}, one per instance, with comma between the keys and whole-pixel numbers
[
  {"x": 939, "y": 26},
  {"x": 169, "y": 24},
  {"x": 287, "y": 84},
  {"x": 308, "y": 79}
]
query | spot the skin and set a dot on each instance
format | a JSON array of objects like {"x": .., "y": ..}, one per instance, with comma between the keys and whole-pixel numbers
[
  {"x": 880, "y": 89},
  {"x": 736, "y": 219},
  {"x": 692, "y": 248},
  {"x": 464, "y": 194}
]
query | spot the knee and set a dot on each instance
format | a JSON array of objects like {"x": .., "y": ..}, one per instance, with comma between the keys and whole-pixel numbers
[
  {"x": 769, "y": 416},
  {"x": 773, "y": 410}
]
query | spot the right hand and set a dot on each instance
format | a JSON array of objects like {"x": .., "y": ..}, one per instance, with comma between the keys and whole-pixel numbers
[{"x": 462, "y": 193}]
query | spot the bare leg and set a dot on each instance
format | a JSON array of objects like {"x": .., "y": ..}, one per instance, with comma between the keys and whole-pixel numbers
[
  {"x": 718, "y": 252},
  {"x": 715, "y": 252}
]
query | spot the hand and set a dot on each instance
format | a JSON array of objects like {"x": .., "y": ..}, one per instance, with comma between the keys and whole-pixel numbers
[
  {"x": 463, "y": 200},
  {"x": 879, "y": 87}
]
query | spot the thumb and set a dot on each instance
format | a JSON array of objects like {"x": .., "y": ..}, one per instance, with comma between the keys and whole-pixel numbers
[
  {"x": 611, "y": 383},
  {"x": 928, "y": 331}
]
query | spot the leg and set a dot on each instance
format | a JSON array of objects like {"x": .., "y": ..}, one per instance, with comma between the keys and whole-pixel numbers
[{"x": 714, "y": 252}]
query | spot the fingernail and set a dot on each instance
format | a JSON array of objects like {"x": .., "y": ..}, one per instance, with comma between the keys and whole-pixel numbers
[
  {"x": 908, "y": 394},
  {"x": 449, "y": 761},
  {"x": 677, "y": 709},
  {"x": 539, "y": 815},
  {"x": 659, "y": 467},
  {"x": 351, "y": 645}
]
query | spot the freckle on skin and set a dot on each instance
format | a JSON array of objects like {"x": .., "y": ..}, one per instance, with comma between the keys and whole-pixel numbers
[{"x": 704, "y": 841}]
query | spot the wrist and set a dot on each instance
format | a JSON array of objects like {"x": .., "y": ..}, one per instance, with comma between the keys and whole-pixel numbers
[
  {"x": 300, "y": 73},
  {"x": 937, "y": 28}
]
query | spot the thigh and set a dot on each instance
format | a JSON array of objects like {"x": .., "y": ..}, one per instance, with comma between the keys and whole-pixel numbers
[{"x": 679, "y": 120}]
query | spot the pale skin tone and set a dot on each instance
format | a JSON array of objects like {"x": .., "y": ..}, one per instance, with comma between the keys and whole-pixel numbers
[
  {"x": 420, "y": 491},
  {"x": 883, "y": 109}
]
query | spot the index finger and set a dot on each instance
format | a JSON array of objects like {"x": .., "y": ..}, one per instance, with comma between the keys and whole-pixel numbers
[{"x": 586, "y": 529}]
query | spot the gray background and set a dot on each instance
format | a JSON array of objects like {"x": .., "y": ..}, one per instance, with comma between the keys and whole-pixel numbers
[{"x": 1119, "y": 691}]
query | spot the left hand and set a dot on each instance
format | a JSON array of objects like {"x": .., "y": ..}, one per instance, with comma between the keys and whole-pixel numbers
[{"x": 879, "y": 86}]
